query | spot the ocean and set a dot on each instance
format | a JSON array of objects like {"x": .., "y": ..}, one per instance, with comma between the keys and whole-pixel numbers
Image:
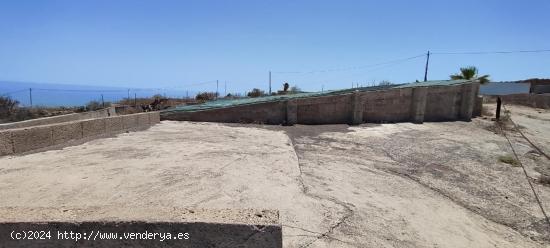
[{"x": 53, "y": 95}]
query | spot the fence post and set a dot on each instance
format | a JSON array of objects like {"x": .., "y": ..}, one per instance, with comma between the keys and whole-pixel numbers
[
  {"x": 30, "y": 96},
  {"x": 499, "y": 102}
]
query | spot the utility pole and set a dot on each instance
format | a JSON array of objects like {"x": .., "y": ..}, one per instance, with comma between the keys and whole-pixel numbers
[
  {"x": 427, "y": 63},
  {"x": 30, "y": 96},
  {"x": 135, "y": 99},
  {"x": 102, "y": 101},
  {"x": 128, "y": 97},
  {"x": 269, "y": 82},
  {"x": 186, "y": 94},
  {"x": 217, "y": 90},
  {"x": 225, "y": 88}
]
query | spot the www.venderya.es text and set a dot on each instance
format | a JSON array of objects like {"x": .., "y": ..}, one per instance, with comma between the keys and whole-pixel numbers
[{"x": 97, "y": 235}]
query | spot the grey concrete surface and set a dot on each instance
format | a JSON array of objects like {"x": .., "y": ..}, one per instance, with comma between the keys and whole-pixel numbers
[{"x": 388, "y": 185}]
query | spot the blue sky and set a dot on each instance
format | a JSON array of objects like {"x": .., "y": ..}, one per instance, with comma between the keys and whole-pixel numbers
[{"x": 171, "y": 44}]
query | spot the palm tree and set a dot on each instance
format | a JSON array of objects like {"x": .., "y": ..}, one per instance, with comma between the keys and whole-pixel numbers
[{"x": 470, "y": 73}]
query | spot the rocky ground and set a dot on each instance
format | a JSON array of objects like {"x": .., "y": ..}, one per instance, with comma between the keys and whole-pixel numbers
[{"x": 389, "y": 185}]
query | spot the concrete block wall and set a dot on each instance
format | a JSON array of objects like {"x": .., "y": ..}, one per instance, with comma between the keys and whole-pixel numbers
[
  {"x": 268, "y": 113},
  {"x": 325, "y": 110},
  {"x": 387, "y": 106},
  {"x": 59, "y": 119},
  {"x": 93, "y": 127},
  {"x": 6, "y": 144},
  {"x": 114, "y": 124},
  {"x": 129, "y": 122},
  {"x": 19, "y": 140},
  {"x": 27, "y": 139},
  {"x": 415, "y": 104},
  {"x": 63, "y": 133},
  {"x": 531, "y": 100},
  {"x": 418, "y": 104},
  {"x": 443, "y": 103}
]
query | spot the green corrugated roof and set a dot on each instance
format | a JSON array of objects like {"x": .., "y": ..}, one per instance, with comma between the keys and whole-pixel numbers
[{"x": 249, "y": 100}]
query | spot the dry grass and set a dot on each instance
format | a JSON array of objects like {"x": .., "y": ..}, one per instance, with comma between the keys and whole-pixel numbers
[{"x": 508, "y": 159}]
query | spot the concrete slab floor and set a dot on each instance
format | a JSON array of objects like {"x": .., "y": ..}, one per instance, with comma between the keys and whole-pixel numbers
[{"x": 390, "y": 185}]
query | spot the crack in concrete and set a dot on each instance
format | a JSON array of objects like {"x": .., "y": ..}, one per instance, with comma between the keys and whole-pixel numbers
[{"x": 305, "y": 190}]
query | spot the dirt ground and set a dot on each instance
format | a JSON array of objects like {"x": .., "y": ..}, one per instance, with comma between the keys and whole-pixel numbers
[{"x": 373, "y": 185}]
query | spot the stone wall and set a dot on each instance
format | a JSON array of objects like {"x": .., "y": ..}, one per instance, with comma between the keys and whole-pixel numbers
[
  {"x": 415, "y": 104},
  {"x": 19, "y": 140}
]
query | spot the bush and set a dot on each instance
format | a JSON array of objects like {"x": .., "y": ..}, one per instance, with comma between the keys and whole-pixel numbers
[
  {"x": 256, "y": 93},
  {"x": 295, "y": 89},
  {"x": 205, "y": 96},
  {"x": 93, "y": 105},
  {"x": 8, "y": 106}
]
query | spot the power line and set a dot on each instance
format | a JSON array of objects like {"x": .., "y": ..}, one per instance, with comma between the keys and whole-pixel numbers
[
  {"x": 495, "y": 52},
  {"x": 353, "y": 67},
  {"x": 70, "y": 90}
]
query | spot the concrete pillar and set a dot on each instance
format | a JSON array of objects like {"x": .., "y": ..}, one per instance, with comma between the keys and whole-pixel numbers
[
  {"x": 467, "y": 103},
  {"x": 356, "y": 109},
  {"x": 418, "y": 104},
  {"x": 291, "y": 112}
]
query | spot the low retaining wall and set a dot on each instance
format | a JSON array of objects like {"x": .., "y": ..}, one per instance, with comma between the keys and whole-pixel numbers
[
  {"x": 174, "y": 227},
  {"x": 60, "y": 119},
  {"x": 19, "y": 140},
  {"x": 531, "y": 100},
  {"x": 415, "y": 104}
]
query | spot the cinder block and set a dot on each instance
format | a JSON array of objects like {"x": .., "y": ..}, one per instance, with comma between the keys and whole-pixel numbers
[
  {"x": 114, "y": 124},
  {"x": 154, "y": 117},
  {"x": 467, "y": 101},
  {"x": 142, "y": 121},
  {"x": 129, "y": 122},
  {"x": 31, "y": 138},
  {"x": 93, "y": 127},
  {"x": 64, "y": 132},
  {"x": 6, "y": 145},
  {"x": 291, "y": 112},
  {"x": 418, "y": 104},
  {"x": 356, "y": 109}
]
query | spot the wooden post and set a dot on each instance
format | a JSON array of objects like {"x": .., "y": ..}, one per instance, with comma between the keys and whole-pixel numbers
[{"x": 499, "y": 102}]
